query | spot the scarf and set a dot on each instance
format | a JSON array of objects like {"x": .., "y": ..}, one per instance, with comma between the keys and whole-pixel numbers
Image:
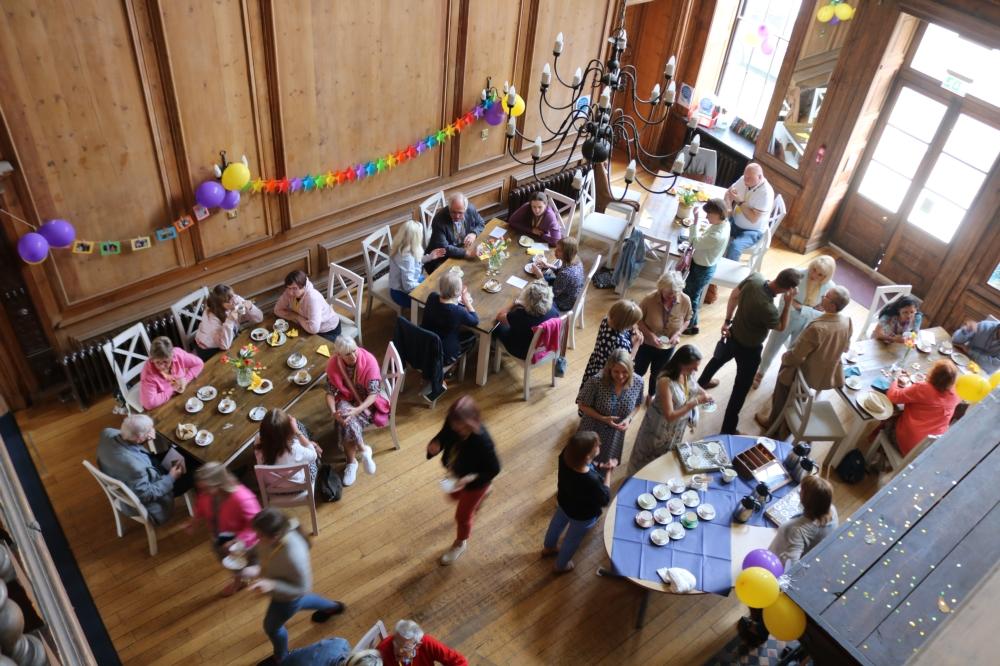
[{"x": 365, "y": 371}]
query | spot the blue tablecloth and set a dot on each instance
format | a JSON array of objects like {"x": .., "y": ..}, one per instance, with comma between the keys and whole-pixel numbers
[{"x": 706, "y": 550}]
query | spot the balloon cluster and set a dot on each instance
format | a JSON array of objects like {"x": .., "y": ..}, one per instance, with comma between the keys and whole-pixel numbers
[
  {"x": 835, "y": 12},
  {"x": 757, "y": 586},
  {"x": 972, "y": 387},
  {"x": 225, "y": 195},
  {"x": 762, "y": 37},
  {"x": 34, "y": 246}
]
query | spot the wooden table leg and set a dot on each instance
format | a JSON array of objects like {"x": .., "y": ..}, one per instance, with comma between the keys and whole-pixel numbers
[
  {"x": 483, "y": 358},
  {"x": 414, "y": 311}
]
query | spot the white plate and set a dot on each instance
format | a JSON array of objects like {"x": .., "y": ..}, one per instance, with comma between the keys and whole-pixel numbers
[
  {"x": 714, "y": 448},
  {"x": 709, "y": 407},
  {"x": 448, "y": 484},
  {"x": 207, "y": 393},
  {"x": 193, "y": 405},
  {"x": 853, "y": 383},
  {"x": 525, "y": 241},
  {"x": 258, "y": 413},
  {"x": 646, "y": 501},
  {"x": 661, "y": 492},
  {"x": 675, "y": 506},
  {"x": 659, "y": 536},
  {"x": 644, "y": 519},
  {"x": 296, "y": 361},
  {"x": 690, "y": 498},
  {"x": 945, "y": 348},
  {"x": 235, "y": 562},
  {"x": 204, "y": 438},
  {"x": 282, "y": 339},
  {"x": 227, "y": 405},
  {"x": 662, "y": 516},
  {"x": 960, "y": 359},
  {"x": 850, "y": 357},
  {"x": 528, "y": 266},
  {"x": 677, "y": 485},
  {"x": 302, "y": 382},
  {"x": 676, "y": 531},
  {"x": 189, "y": 433},
  {"x": 265, "y": 386},
  {"x": 258, "y": 334},
  {"x": 457, "y": 270},
  {"x": 706, "y": 512},
  {"x": 767, "y": 442}
]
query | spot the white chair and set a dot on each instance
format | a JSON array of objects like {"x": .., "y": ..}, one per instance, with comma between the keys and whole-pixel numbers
[
  {"x": 428, "y": 208},
  {"x": 527, "y": 363},
  {"x": 393, "y": 374},
  {"x": 278, "y": 487},
  {"x": 729, "y": 273},
  {"x": 609, "y": 229},
  {"x": 808, "y": 419},
  {"x": 563, "y": 206},
  {"x": 125, "y": 503},
  {"x": 897, "y": 460},
  {"x": 372, "y": 637},
  {"x": 576, "y": 319},
  {"x": 703, "y": 166},
  {"x": 127, "y": 353},
  {"x": 883, "y": 296},
  {"x": 377, "y": 248},
  {"x": 345, "y": 291},
  {"x": 188, "y": 313},
  {"x": 778, "y": 212}
]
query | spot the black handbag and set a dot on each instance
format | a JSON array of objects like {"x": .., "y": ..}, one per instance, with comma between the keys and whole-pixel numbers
[
  {"x": 329, "y": 486},
  {"x": 852, "y": 467}
]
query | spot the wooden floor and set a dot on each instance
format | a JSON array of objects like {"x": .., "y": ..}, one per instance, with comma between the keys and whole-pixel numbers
[{"x": 378, "y": 548}]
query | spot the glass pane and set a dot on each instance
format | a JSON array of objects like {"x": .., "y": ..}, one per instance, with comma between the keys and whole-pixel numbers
[
  {"x": 942, "y": 53},
  {"x": 883, "y": 186},
  {"x": 900, "y": 150},
  {"x": 936, "y": 215},
  {"x": 954, "y": 180},
  {"x": 994, "y": 280},
  {"x": 916, "y": 114},
  {"x": 974, "y": 142}
]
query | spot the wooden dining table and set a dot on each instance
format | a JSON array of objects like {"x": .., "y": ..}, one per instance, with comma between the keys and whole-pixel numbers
[
  {"x": 235, "y": 431},
  {"x": 474, "y": 276}
]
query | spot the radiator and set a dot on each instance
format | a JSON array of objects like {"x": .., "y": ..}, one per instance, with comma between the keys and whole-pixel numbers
[
  {"x": 87, "y": 370},
  {"x": 561, "y": 182}
]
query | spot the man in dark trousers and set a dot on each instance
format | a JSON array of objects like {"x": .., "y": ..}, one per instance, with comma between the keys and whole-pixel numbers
[
  {"x": 744, "y": 332},
  {"x": 455, "y": 229}
]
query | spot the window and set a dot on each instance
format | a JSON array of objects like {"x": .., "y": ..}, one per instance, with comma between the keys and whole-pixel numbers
[
  {"x": 994, "y": 280},
  {"x": 943, "y": 54},
  {"x": 748, "y": 73}
]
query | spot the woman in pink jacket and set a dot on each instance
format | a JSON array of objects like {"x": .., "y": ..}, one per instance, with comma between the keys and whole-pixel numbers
[
  {"x": 301, "y": 303},
  {"x": 167, "y": 371},
  {"x": 227, "y": 508}
]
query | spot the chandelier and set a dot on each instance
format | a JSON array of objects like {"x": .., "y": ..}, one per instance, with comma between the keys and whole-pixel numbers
[{"x": 593, "y": 121}]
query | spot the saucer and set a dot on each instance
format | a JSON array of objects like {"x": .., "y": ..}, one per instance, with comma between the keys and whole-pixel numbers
[
  {"x": 193, "y": 405},
  {"x": 227, "y": 406},
  {"x": 662, "y": 516},
  {"x": 659, "y": 536},
  {"x": 296, "y": 361},
  {"x": 690, "y": 498},
  {"x": 677, "y": 485},
  {"x": 528, "y": 266},
  {"x": 646, "y": 501},
  {"x": 850, "y": 357},
  {"x": 303, "y": 380},
  {"x": 258, "y": 334},
  {"x": 699, "y": 482},
  {"x": 235, "y": 562},
  {"x": 767, "y": 443},
  {"x": 689, "y": 521},
  {"x": 661, "y": 492},
  {"x": 706, "y": 512},
  {"x": 675, "y": 531},
  {"x": 281, "y": 339},
  {"x": 675, "y": 506},
  {"x": 204, "y": 438},
  {"x": 206, "y": 393},
  {"x": 853, "y": 383},
  {"x": 959, "y": 358},
  {"x": 258, "y": 413},
  {"x": 265, "y": 386},
  {"x": 644, "y": 519},
  {"x": 525, "y": 241}
]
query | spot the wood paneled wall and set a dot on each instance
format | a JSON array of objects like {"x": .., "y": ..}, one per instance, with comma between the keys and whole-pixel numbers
[{"x": 115, "y": 110}]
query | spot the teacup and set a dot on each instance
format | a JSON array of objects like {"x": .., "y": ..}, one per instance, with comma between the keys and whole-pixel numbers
[
  {"x": 728, "y": 475},
  {"x": 301, "y": 376},
  {"x": 699, "y": 482}
]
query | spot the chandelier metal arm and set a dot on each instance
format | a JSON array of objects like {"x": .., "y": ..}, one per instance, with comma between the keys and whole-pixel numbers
[
  {"x": 576, "y": 96},
  {"x": 636, "y": 100},
  {"x": 631, "y": 122}
]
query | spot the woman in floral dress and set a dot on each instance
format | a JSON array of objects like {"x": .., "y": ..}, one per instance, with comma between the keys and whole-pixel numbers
[
  {"x": 618, "y": 331},
  {"x": 608, "y": 403}
]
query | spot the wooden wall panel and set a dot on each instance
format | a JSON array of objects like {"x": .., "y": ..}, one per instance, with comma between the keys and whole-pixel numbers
[
  {"x": 360, "y": 80},
  {"x": 77, "y": 99}
]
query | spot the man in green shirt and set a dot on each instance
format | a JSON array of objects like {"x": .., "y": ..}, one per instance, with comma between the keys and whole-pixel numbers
[{"x": 744, "y": 332}]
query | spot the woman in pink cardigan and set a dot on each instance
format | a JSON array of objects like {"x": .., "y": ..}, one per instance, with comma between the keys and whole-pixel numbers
[
  {"x": 227, "y": 508},
  {"x": 302, "y": 304},
  {"x": 167, "y": 371}
]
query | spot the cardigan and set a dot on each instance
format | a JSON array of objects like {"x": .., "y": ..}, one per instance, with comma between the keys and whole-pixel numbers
[
  {"x": 429, "y": 651},
  {"x": 927, "y": 412},
  {"x": 214, "y": 333},
  {"x": 236, "y": 511},
  {"x": 549, "y": 228},
  {"x": 286, "y": 562},
  {"x": 474, "y": 455},
  {"x": 798, "y": 536},
  {"x": 155, "y": 389},
  {"x": 311, "y": 311}
]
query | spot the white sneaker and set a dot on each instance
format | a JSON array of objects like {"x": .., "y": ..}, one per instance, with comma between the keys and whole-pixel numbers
[
  {"x": 453, "y": 554},
  {"x": 350, "y": 473},
  {"x": 367, "y": 460}
]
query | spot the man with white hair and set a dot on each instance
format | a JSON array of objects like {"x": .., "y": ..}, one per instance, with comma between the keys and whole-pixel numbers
[
  {"x": 455, "y": 229},
  {"x": 410, "y": 645},
  {"x": 122, "y": 454},
  {"x": 751, "y": 199}
]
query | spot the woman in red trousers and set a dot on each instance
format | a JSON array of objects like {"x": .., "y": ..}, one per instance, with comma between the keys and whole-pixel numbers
[{"x": 471, "y": 460}]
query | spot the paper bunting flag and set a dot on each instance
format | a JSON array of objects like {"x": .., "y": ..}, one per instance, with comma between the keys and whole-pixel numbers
[
  {"x": 110, "y": 247},
  {"x": 83, "y": 247}
]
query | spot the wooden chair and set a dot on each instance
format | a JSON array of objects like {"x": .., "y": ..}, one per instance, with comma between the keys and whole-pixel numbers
[
  {"x": 345, "y": 292},
  {"x": 608, "y": 229},
  {"x": 278, "y": 488},
  {"x": 576, "y": 319},
  {"x": 393, "y": 375},
  {"x": 883, "y": 296},
  {"x": 527, "y": 363},
  {"x": 729, "y": 273},
  {"x": 563, "y": 206},
  {"x": 377, "y": 248},
  {"x": 428, "y": 208},
  {"x": 897, "y": 460},
  {"x": 808, "y": 419},
  {"x": 127, "y": 353},
  {"x": 372, "y": 637},
  {"x": 188, "y": 313},
  {"x": 124, "y": 503}
]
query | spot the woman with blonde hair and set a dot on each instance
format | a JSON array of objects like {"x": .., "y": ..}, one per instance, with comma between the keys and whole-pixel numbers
[
  {"x": 406, "y": 261},
  {"x": 517, "y": 321},
  {"x": 817, "y": 280},
  {"x": 608, "y": 402},
  {"x": 224, "y": 313},
  {"x": 227, "y": 508},
  {"x": 666, "y": 313},
  {"x": 167, "y": 371},
  {"x": 617, "y": 331}
]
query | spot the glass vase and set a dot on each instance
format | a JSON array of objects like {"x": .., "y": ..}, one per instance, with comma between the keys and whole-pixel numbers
[{"x": 244, "y": 376}]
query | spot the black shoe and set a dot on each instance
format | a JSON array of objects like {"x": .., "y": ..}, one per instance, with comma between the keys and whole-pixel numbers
[
  {"x": 270, "y": 661},
  {"x": 323, "y": 616},
  {"x": 690, "y": 330}
]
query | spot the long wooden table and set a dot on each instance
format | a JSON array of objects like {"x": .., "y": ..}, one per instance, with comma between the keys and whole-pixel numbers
[
  {"x": 656, "y": 217},
  {"x": 487, "y": 305},
  {"x": 235, "y": 431}
]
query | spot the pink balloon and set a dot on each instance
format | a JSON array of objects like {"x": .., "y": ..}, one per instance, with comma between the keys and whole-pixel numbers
[
  {"x": 763, "y": 32},
  {"x": 767, "y": 48}
]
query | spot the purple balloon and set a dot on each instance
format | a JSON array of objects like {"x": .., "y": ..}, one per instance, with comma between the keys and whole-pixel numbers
[
  {"x": 210, "y": 194},
  {"x": 59, "y": 233},
  {"x": 33, "y": 247},
  {"x": 765, "y": 559},
  {"x": 495, "y": 114},
  {"x": 231, "y": 200}
]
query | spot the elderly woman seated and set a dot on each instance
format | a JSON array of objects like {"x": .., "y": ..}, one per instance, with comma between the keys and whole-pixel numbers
[
  {"x": 166, "y": 372},
  {"x": 927, "y": 406},
  {"x": 408, "y": 644},
  {"x": 537, "y": 219},
  {"x": 446, "y": 312},
  {"x": 518, "y": 320},
  {"x": 355, "y": 398}
]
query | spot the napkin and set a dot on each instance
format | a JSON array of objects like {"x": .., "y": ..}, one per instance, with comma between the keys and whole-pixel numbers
[
  {"x": 881, "y": 383},
  {"x": 852, "y": 371},
  {"x": 323, "y": 350},
  {"x": 682, "y": 580},
  {"x": 498, "y": 232},
  {"x": 293, "y": 333},
  {"x": 535, "y": 251},
  {"x": 516, "y": 282}
]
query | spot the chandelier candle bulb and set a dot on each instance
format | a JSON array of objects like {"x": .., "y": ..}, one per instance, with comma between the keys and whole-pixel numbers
[
  {"x": 512, "y": 97},
  {"x": 671, "y": 93},
  {"x": 668, "y": 70},
  {"x": 656, "y": 94},
  {"x": 577, "y": 77},
  {"x": 622, "y": 40},
  {"x": 605, "y": 98},
  {"x": 679, "y": 164},
  {"x": 558, "y": 46},
  {"x": 536, "y": 149},
  {"x": 577, "y": 180},
  {"x": 695, "y": 144},
  {"x": 630, "y": 172},
  {"x": 546, "y": 74},
  {"x": 511, "y": 127},
  {"x": 482, "y": 95},
  {"x": 693, "y": 122}
]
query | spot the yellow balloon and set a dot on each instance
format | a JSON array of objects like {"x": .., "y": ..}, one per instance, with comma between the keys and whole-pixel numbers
[
  {"x": 995, "y": 380},
  {"x": 235, "y": 176},
  {"x": 972, "y": 388},
  {"x": 844, "y": 11},
  {"x": 784, "y": 619},
  {"x": 757, "y": 587},
  {"x": 825, "y": 13},
  {"x": 518, "y": 105}
]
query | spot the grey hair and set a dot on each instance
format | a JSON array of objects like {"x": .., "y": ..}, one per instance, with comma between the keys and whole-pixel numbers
[
  {"x": 409, "y": 630},
  {"x": 450, "y": 285},
  {"x": 458, "y": 197},
  {"x": 840, "y": 297},
  {"x": 344, "y": 345},
  {"x": 364, "y": 658},
  {"x": 536, "y": 297},
  {"x": 672, "y": 279},
  {"x": 136, "y": 426}
]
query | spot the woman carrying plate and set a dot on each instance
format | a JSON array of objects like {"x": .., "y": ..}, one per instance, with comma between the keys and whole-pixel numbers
[
  {"x": 583, "y": 492},
  {"x": 225, "y": 313},
  {"x": 227, "y": 508},
  {"x": 354, "y": 396},
  {"x": 927, "y": 406},
  {"x": 674, "y": 409},
  {"x": 565, "y": 275},
  {"x": 666, "y": 313},
  {"x": 167, "y": 371},
  {"x": 471, "y": 460},
  {"x": 537, "y": 219},
  {"x": 608, "y": 403},
  {"x": 518, "y": 320},
  {"x": 899, "y": 317},
  {"x": 282, "y": 440}
]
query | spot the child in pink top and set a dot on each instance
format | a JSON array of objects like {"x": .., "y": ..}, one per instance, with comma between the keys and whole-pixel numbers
[
  {"x": 928, "y": 406},
  {"x": 167, "y": 371}
]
